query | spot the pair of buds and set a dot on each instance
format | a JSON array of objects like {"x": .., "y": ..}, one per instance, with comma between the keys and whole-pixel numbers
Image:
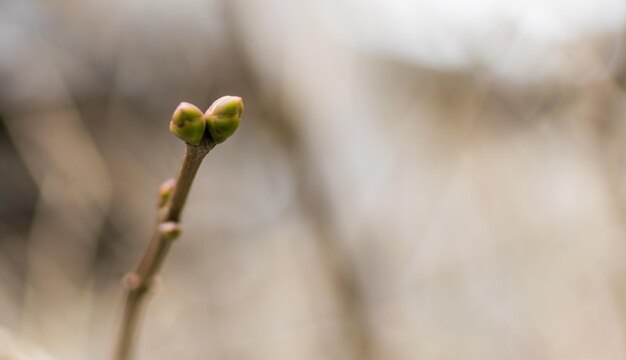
[{"x": 220, "y": 121}]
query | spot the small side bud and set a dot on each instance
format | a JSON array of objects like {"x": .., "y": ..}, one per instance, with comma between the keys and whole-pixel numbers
[
  {"x": 131, "y": 281},
  {"x": 187, "y": 123},
  {"x": 165, "y": 191},
  {"x": 170, "y": 230},
  {"x": 222, "y": 118}
]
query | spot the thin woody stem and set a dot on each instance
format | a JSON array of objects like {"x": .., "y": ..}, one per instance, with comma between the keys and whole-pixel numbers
[
  {"x": 191, "y": 162},
  {"x": 140, "y": 282}
]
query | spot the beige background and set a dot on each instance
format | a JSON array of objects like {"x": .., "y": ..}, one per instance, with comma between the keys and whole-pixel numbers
[{"x": 426, "y": 180}]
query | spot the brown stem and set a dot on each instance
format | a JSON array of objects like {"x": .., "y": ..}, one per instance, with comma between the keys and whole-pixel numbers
[
  {"x": 140, "y": 282},
  {"x": 191, "y": 162}
]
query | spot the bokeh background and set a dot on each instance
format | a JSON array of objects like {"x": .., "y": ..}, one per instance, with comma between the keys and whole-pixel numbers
[{"x": 428, "y": 179}]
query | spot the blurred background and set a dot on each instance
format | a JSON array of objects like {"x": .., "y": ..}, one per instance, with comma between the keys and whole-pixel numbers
[{"x": 428, "y": 179}]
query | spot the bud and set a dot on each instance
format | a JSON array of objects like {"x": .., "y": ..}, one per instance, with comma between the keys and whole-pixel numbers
[
  {"x": 170, "y": 230},
  {"x": 222, "y": 118},
  {"x": 165, "y": 191},
  {"x": 131, "y": 281},
  {"x": 187, "y": 123}
]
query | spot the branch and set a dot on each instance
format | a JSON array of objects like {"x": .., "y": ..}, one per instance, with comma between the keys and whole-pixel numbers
[{"x": 201, "y": 132}]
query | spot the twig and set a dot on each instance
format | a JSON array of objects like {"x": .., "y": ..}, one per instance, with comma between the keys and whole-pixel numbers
[{"x": 188, "y": 123}]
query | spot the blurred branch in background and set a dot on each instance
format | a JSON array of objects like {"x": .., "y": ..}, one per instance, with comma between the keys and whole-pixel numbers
[{"x": 74, "y": 193}]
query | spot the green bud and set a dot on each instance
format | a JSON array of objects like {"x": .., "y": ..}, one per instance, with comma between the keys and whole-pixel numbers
[
  {"x": 187, "y": 123},
  {"x": 222, "y": 118},
  {"x": 165, "y": 191},
  {"x": 170, "y": 230}
]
